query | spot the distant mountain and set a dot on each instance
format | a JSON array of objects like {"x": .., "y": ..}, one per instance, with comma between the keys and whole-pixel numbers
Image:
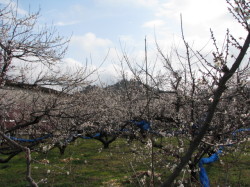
[{"x": 125, "y": 84}]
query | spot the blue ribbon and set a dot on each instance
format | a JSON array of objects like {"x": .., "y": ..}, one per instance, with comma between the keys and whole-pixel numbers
[
  {"x": 88, "y": 137},
  {"x": 203, "y": 174},
  {"x": 29, "y": 140}
]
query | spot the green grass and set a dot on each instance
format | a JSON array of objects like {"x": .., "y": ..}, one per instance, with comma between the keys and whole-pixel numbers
[
  {"x": 231, "y": 170},
  {"x": 92, "y": 166}
]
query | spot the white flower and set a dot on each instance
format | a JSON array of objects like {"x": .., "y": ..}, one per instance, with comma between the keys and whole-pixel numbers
[
  {"x": 243, "y": 115},
  {"x": 44, "y": 149},
  {"x": 43, "y": 180},
  {"x": 173, "y": 167},
  {"x": 162, "y": 133},
  {"x": 181, "y": 150},
  {"x": 48, "y": 171},
  {"x": 221, "y": 162},
  {"x": 149, "y": 144},
  {"x": 201, "y": 81},
  {"x": 211, "y": 99},
  {"x": 143, "y": 180},
  {"x": 149, "y": 173},
  {"x": 67, "y": 172},
  {"x": 45, "y": 161}
]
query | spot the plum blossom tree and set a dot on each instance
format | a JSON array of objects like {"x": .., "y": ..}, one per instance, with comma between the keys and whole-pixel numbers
[
  {"x": 209, "y": 97},
  {"x": 40, "y": 104},
  {"x": 220, "y": 78}
]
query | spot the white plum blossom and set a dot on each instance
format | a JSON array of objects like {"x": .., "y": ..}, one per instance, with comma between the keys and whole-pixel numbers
[
  {"x": 149, "y": 173},
  {"x": 181, "y": 150},
  {"x": 211, "y": 99}
]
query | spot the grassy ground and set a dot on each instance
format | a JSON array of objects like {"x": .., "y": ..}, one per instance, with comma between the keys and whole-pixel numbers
[
  {"x": 85, "y": 163},
  {"x": 231, "y": 170}
]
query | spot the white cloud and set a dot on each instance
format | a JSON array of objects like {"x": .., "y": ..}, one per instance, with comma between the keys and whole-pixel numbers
[
  {"x": 103, "y": 54},
  {"x": 198, "y": 17},
  {"x": 194, "y": 11},
  {"x": 62, "y": 23},
  {"x": 105, "y": 74},
  {"x": 35, "y": 71},
  {"x": 90, "y": 43},
  {"x": 70, "y": 62},
  {"x": 154, "y": 23},
  {"x": 111, "y": 73}
]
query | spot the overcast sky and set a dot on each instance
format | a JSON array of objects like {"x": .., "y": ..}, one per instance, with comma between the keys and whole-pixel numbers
[{"x": 99, "y": 26}]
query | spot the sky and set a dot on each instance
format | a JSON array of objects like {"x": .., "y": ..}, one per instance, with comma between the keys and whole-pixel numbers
[{"x": 107, "y": 28}]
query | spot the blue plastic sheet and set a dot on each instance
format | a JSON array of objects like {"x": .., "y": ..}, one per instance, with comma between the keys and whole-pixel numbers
[
  {"x": 240, "y": 130},
  {"x": 142, "y": 125},
  {"x": 88, "y": 137},
  {"x": 30, "y": 140},
  {"x": 203, "y": 174}
]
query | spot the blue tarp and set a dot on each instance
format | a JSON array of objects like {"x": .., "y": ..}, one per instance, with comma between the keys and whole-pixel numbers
[
  {"x": 87, "y": 137},
  {"x": 203, "y": 174},
  {"x": 240, "y": 130},
  {"x": 142, "y": 125},
  {"x": 29, "y": 140}
]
